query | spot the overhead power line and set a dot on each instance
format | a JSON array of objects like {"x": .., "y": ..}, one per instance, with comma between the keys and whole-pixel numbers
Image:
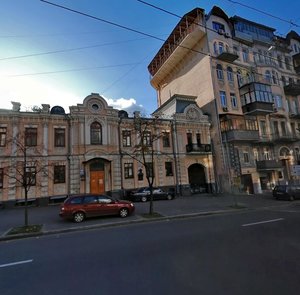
[
  {"x": 119, "y": 26},
  {"x": 68, "y": 50},
  {"x": 73, "y": 70},
  {"x": 265, "y": 13}
]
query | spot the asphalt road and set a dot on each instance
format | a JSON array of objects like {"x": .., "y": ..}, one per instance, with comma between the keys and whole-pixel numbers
[{"x": 254, "y": 252}]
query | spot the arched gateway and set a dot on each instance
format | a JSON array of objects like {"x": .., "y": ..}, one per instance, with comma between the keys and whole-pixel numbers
[{"x": 197, "y": 179}]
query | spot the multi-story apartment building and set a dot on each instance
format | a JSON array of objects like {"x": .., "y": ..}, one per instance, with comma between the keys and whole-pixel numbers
[
  {"x": 92, "y": 149},
  {"x": 248, "y": 80}
]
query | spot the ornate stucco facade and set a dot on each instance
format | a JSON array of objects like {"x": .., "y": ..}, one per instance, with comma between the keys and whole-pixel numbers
[{"x": 90, "y": 149}]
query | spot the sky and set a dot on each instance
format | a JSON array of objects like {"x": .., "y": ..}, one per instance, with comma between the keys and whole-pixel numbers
[{"x": 50, "y": 55}]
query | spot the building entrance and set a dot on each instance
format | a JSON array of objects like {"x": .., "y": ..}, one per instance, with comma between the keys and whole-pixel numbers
[{"x": 197, "y": 179}]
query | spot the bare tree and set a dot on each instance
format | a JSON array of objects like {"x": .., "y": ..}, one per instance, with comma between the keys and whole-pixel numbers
[
  {"x": 27, "y": 164},
  {"x": 147, "y": 130}
]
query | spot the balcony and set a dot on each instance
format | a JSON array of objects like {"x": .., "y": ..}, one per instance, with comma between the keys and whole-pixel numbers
[
  {"x": 269, "y": 165},
  {"x": 227, "y": 55},
  {"x": 284, "y": 137},
  {"x": 244, "y": 37},
  {"x": 296, "y": 61},
  {"x": 292, "y": 89},
  {"x": 240, "y": 135},
  {"x": 258, "y": 108},
  {"x": 198, "y": 148}
]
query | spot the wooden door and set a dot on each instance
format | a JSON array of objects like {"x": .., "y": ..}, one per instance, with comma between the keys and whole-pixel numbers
[{"x": 97, "y": 182}]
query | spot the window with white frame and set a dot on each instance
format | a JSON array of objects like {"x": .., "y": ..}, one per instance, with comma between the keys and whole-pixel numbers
[
  {"x": 128, "y": 170},
  {"x": 220, "y": 72},
  {"x": 230, "y": 75},
  {"x": 2, "y": 136},
  {"x": 234, "y": 102},
  {"x": 223, "y": 99}
]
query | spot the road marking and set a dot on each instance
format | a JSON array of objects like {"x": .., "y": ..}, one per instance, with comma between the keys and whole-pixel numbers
[
  {"x": 16, "y": 263},
  {"x": 261, "y": 222}
]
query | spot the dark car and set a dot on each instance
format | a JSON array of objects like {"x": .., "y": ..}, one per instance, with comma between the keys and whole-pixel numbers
[
  {"x": 143, "y": 194},
  {"x": 79, "y": 207},
  {"x": 286, "y": 192}
]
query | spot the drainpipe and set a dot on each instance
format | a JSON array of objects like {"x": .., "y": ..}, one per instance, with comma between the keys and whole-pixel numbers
[
  {"x": 121, "y": 156},
  {"x": 175, "y": 153}
]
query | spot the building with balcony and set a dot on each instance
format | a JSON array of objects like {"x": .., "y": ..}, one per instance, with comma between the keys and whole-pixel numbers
[
  {"x": 92, "y": 149},
  {"x": 246, "y": 78}
]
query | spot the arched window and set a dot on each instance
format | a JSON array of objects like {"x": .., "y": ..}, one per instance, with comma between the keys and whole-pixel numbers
[
  {"x": 240, "y": 78},
  {"x": 96, "y": 133},
  {"x": 215, "y": 48},
  {"x": 220, "y": 72},
  {"x": 230, "y": 74}
]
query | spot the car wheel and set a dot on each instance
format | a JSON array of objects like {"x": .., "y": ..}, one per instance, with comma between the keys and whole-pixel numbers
[
  {"x": 169, "y": 197},
  {"x": 78, "y": 217},
  {"x": 123, "y": 212},
  {"x": 144, "y": 199}
]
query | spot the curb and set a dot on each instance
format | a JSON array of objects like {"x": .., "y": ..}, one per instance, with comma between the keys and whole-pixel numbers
[{"x": 115, "y": 224}]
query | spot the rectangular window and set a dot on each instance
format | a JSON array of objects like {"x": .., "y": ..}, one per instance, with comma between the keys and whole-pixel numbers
[
  {"x": 147, "y": 138},
  {"x": 246, "y": 157},
  {"x": 223, "y": 99},
  {"x": 166, "y": 139},
  {"x": 1, "y": 177},
  {"x": 128, "y": 170},
  {"x": 126, "y": 137},
  {"x": 263, "y": 127},
  {"x": 218, "y": 26},
  {"x": 198, "y": 138},
  {"x": 189, "y": 138},
  {"x": 169, "y": 168},
  {"x": 149, "y": 169},
  {"x": 59, "y": 137},
  {"x": 283, "y": 128},
  {"x": 2, "y": 136},
  {"x": 59, "y": 174},
  {"x": 30, "y": 176},
  {"x": 245, "y": 53},
  {"x": 31, "y": 136},
  {"x": 234, "y": 102}
]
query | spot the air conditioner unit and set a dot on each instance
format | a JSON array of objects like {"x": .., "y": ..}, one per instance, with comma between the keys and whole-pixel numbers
[
  {"x": 227, "y": 35},
  {"x": 225, "y": 109},
  {"x": 221, "y": 32}
]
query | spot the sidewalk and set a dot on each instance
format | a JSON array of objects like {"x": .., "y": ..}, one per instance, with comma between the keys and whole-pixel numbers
[{"x": 180, "y": 207}]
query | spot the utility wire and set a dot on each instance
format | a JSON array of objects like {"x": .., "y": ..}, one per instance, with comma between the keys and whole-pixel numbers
[
  {"x": 120, "y": 26},
  {"x": 266, "y": 13},
  {"x": 72, "y": 70},
  {"x": 68, "y": 50},
  {"x": 209, "y": 29}
]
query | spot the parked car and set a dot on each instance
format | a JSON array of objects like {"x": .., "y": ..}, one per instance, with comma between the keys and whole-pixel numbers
[
  {"x": 79, "y": 207},
  {"x": 143, "y": 194},
  {"x": 286, "y": 192}
]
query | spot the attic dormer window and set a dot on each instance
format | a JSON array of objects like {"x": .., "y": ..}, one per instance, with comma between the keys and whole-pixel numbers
[{"x": 218, "y": 26}]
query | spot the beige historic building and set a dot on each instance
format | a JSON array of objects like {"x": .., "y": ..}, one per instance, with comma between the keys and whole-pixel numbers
[
  {"x": 247, "y": 79},
  {"x": 91, "y": 148}
]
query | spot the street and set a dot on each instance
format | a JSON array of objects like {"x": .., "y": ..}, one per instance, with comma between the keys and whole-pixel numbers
[{"x": 251, "y": 252}]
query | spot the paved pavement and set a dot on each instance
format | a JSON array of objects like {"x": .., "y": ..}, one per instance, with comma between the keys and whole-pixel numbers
[{"x": 180, "y": 207}]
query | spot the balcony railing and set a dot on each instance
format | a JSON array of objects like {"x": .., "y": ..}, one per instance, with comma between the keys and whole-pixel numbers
[
  {"x": 285, "y": 137},
  {"x": 269, "y": 164},
  {"x": 227, "y": 55},
  {"x": 258, "y": 108},
  {"x": 198, "y": 148},
  {"x": 240, "y": 135},
  {"x": 292, "y": 89}
]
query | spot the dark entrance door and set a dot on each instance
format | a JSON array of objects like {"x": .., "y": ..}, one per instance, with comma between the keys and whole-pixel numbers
[{"x": 197, "y": 179}]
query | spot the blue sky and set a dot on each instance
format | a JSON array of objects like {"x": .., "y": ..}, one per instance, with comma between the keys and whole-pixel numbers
[{"x": 93, "y": 56}]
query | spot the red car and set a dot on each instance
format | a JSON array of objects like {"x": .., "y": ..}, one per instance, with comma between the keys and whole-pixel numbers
[{"x": 79, "y": 207}]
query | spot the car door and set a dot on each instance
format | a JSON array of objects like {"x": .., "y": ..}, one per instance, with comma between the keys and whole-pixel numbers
[
  {"x": 91, "y": 205},
  {"x": 108, "y": 206}
]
